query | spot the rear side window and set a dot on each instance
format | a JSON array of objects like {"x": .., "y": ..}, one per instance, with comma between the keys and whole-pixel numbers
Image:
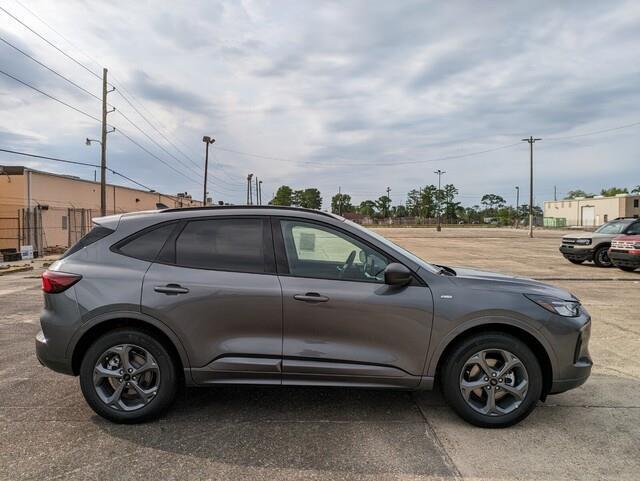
[
  {"x": 94, "y": 235},
  {"x": 222, "y": 244},
  {"x": 147, "y": 245}
]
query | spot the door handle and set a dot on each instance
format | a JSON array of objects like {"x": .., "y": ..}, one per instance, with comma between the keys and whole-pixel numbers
[
  {"x": 310, "y": 297},
  {"x": 171, "y": 289}
]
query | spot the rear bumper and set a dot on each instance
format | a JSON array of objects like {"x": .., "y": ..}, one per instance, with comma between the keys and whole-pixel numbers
[
  {"x": 48, "y": 358},
  {"x": 562, "y": 385},
  {"x": 624, "y": 259},
  {"x": 577, "y": 254}
]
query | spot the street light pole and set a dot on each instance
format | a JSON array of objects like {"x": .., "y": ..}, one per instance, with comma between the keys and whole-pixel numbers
[
  {"x": 208, "y": 141},
  {"x": 439, "y": 172},
  {"x": 260, "y": 193},
  {"x": 517, "y": 206},
  {"x": 249, "y": 196},
  {"x": 531, "y": 141}
]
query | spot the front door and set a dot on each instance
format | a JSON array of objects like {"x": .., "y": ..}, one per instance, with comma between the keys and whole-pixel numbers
[
  {"x": 342, "y": 324},
  {"x": 215, "y": 286}
]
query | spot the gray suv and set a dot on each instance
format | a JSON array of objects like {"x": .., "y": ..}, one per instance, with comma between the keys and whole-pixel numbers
[{"x": 149, "y": 301}]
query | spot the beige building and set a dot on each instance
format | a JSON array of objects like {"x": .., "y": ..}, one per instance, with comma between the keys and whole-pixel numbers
[
  {"x": 53, "y": 211},
  {"x": 593, "y": 211}
]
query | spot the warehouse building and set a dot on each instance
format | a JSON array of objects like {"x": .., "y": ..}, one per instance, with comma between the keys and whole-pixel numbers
[
  {"x": 51, "y": 211},
  {"x": 590, "y": 211}
]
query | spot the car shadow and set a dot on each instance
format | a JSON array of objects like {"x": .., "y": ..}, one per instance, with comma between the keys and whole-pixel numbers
[{"x": 325, "y": 429}]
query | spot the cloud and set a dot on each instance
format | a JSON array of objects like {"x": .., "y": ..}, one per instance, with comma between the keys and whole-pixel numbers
[{"x": 345, "y": 92}]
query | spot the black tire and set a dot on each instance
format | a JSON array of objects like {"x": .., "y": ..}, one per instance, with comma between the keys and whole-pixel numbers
[
  {"x": 627, "y": 268},
  {"x": 575, "y": 261},
  {"x": 451, "y": 372},
  {"x": 601, "y": 257},
  {"x": 166, "y": 367}
]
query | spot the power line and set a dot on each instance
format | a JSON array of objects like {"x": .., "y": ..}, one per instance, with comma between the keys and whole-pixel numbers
[
  {"x": 48, "y": 68},
  {"x": 595, "y": 132},
  {"x": 49, "y": 96},
  {"x": 51, "y": 43},
  {"x": 66, "y": 161}
]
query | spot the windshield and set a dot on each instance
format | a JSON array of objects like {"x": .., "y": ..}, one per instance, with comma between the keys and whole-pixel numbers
[
  {"x": 612, "y": 228},
  {"x": 396, "y": 247}
]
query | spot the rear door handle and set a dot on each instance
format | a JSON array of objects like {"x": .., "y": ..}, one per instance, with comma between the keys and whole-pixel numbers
[
  {"x": 310, "y": 297},
  {"x": 171, "y": 289}
]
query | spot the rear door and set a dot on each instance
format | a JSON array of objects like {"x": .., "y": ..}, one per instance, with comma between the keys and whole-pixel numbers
[
  {"x": 214, "y": 284},
  {"x": 342, "y": 323}
]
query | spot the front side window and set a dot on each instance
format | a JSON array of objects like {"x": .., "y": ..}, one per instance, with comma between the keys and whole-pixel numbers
[
  {"x": 634, "y": 229},
  {"x": 320, "y": 252},
  {"x": 222, "y": 244}
]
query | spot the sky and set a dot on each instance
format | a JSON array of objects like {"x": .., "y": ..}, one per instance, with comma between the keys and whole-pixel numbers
[{"x": 350, "y": 95}]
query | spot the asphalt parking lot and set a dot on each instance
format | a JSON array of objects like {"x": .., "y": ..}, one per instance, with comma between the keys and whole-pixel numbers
[{"x": 245, "y": 433}]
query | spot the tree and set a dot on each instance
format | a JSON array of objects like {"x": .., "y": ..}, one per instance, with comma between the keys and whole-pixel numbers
[
  {"x": 383, "y": 204},
  {"x": 309, "y": 198},
  {"x": 613, "y": 191},
  {"x": 414, "y": 203},
  {"x": 429, "y": 200},
  {"x": 636, "y": 190},
  {"x": 449, "y": 193},
  {"x": 341, "y": 203},
  {"x": 399, "y": 211},
  {"x": 367, "y": 207},
  {"x": 492, "y": 201},
  {"x": 572, "y": 194},
  {"x": 283, "y": 196}
]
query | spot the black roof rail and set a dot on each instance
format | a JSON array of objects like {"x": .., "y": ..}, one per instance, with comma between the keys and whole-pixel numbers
[{"x": 248, "y": 207}]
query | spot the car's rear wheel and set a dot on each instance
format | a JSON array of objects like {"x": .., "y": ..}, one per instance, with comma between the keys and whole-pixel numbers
[
  {"x": 601, "y": 257},
  {"x": 576, "y": 261},
  {"x": 492, "y": 380},
  {"x": 127, "y": 376}
]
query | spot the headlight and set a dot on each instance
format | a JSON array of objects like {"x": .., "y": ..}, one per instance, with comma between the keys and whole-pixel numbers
[
  {"x": 555, "y": 305},
  {"x": 583, "y": 242}
]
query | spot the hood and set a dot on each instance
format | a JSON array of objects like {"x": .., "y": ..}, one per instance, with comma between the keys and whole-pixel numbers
[{"x": 477, "y": 279}]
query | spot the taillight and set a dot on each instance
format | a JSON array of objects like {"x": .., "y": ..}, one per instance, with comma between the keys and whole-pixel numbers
[{"x": 54, "y": 282}]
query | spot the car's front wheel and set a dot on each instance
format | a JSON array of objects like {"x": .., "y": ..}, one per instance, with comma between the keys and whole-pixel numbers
[
  {"x": 492, "y": 380},
  {"x": 601, "y": 257},
  {"x": 127, "y": 376}
]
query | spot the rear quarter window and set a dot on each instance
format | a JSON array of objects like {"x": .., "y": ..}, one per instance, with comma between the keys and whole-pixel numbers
[
  {"x": 94, "y": 235},
  {"x": 147, "y": 244}
]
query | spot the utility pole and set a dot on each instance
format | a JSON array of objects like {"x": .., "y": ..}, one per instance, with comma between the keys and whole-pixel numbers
[
  {"x": 249, "y": 195},
  {"x": 531, "y": 141},
  {"x": 555, "y": 192},
  {"x": 208, "y": 141},
  {"x": 389, "y": 200},
  {"x": 260, "y": 193},
  {"x": 439, "y": 172},
  {"x": 517, "y": 206},
  {"x": 257, "y": 195},
  {"x": 103, "y": 144},
  {"x": 339, "y": 200}
]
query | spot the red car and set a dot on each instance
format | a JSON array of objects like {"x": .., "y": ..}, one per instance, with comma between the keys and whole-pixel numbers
[{"x": 625, "y": 249}]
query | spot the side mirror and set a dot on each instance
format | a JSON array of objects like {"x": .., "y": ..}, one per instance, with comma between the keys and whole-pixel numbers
[{"x": 397, "y": 275}]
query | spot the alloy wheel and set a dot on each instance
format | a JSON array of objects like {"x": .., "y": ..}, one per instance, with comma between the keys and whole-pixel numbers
[
  {"x": 494, "y": 382},
  {"x": 126, "y": 377}
]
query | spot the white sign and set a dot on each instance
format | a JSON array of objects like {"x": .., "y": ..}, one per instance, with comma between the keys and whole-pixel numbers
[{"x": 26, "y": 252}]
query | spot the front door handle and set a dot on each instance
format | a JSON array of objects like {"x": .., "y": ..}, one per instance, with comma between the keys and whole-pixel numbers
[
  {"x": 310, "y": 297},
  {"x": 171, "y": 289}
]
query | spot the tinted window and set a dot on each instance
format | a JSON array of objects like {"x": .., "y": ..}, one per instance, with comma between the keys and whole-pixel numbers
[
  {"x": 94, "y": 235},
  {"x": 147, "y": 245},
  {"x": 321, "y": 252},
  {"x": 222, "y": 244}
]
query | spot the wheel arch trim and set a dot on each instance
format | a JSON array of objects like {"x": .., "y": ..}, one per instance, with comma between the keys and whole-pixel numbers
[
  {"x": 491, "y": 323},
  {"x": 101, "y": 321}
]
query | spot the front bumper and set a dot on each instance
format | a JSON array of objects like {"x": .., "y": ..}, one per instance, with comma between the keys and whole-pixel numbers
[
  {"x": 573, "y": 361},
  {"x": 624, "y": 259},
  {"x": 47, "y": 356},
  {"x": 577, "y": 253}
]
